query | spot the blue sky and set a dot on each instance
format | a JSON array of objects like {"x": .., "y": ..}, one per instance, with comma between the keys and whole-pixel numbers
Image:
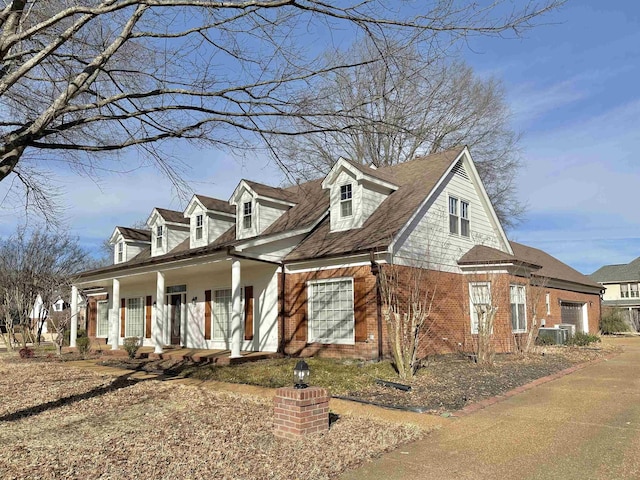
[{"x": 572, "y": 87}]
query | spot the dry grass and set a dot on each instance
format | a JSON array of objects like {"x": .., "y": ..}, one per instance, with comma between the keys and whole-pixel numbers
[{"x": 60, "y": 422}]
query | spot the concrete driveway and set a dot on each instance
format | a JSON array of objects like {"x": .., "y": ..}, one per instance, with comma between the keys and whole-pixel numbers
[{"x": 582, "y": 426}]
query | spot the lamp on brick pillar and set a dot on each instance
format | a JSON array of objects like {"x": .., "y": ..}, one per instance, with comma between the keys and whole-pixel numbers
[{"x": 301, "y": 375}]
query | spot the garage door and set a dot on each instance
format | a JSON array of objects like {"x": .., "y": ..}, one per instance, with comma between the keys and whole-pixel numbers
[{"x": 572, "y": 313}]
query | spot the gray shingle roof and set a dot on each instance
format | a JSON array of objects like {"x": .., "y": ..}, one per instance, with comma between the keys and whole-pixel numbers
[
  {"x": 172, "y": 216},
  {"x": 549, "y": 267},
  {"x": 216, "y": 204},
  {"x": 135, "y": 234},
  {"x": 629, "y": 272}
]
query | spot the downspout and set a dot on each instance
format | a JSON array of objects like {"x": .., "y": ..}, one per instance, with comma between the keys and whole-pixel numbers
[{"x": 375, "y": 270}]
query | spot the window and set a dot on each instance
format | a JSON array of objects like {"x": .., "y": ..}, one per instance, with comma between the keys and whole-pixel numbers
[
  {"x": 102, "y": 322},
  {"x": 628, "y": 290},
  {"x": 346, "y": 195},
  {"x": 120, "y": 251},
  {"x": 464, "y": 218},
  {"x": 159, "y": 234},
  {"x": 480, "y": 300},
  {"x": 199, "y": 222},
  {"x": 222, "y": 314},
  {"x": 246, "y": 215},
  {"x": 453, "y": 215},
  {"x": 518, "y": 308},
  {"x": 331, "y": 317},
  {"x": 134, "y": 325},
  {"x": 222, "y": 308}
]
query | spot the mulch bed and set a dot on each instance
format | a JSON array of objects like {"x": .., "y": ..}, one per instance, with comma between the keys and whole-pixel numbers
[
  {"x": 449, "y": 383},
  {"x": 446, "y": 383}
]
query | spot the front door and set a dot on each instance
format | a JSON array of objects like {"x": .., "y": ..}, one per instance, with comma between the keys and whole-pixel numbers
[{"x": 176, "y": 308}]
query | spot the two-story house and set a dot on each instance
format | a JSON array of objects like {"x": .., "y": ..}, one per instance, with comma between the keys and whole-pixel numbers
[
  {"x": 621, "y": 283},
  {"x": 294, "y": 269}
]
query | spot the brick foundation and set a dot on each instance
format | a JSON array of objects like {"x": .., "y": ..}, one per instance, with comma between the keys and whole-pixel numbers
[{"x": 299, "y": 412}]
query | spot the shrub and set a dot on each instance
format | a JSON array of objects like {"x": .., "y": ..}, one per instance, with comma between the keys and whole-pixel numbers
[
  {"x": 545, "y": 339},
  {"x": 83, "y": 344},
  {"x": 131, "y": 345},
  {"x": 26, "y": 352},
  {"x": 581, "y": 339},
  {"x": 613, "y": 321}
]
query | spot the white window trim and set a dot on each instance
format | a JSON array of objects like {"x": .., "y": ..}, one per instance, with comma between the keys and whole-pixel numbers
[
  {"x": 159, "y": 236},
  {"x": 463, "y": 218},
  {"x": 456, "y": 214},
  {"x": 310, "y": 338},
  {"x": 246, "y": 215},
  {"x": 127, "y": 321},
  {"x": 548, "y": 303},
  {"x": 474, "y": 331},
  {"x": 199, "y": 228},
  {"x": 98, "y": 303},
  {"x": 120, "y": 251},
  {"x": 524, "y": 293},
  {"x": 229, "y": 325},
  {"x": 346, "y": 200}
]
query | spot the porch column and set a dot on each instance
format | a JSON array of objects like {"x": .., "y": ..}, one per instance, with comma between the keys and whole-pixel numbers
[
  {"x": 236, "y": 309},
  {"x": 115, "y": 314},
  {"x": 158, "y": 323},
  {"x": 74, "y": 316}
]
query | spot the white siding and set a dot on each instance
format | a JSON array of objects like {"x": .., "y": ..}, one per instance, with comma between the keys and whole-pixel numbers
[
  {"x": 175, "y": 236},
  {"x": 339, "y": 223},
  {"x": 612, "y": 292},
  {"x": 427, "y": 241},
  {"x": 217, "y": 225},
  {"x": 372, "y": 196},
  {"x": 268, "y": 212},
  {"x": 213, "y": 225}
]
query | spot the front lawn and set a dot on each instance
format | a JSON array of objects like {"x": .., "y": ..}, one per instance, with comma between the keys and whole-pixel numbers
[
  {"x": 446, "y": 383},
  {"x": 61, "y": 422}
]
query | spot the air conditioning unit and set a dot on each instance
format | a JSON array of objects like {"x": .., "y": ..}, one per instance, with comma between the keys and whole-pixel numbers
[
  {"x": 570, "y": 327},
  {"x": 558, "y": 335}
]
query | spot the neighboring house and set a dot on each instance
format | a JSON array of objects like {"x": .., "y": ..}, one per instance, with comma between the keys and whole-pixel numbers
[
  {"x": 621, "y": 284},
  {"x": 294, "y": 269}
]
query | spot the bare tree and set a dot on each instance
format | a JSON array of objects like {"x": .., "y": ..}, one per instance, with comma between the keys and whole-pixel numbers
[
  {"x": 485, "y": 292},
  {"x": 395, "y": 105},
  {"x": 536, "y": 292},
  {"x": 81, "y": 78},
  {"x": 409, "y": 296},
  {"x": 34, "y": 264}
]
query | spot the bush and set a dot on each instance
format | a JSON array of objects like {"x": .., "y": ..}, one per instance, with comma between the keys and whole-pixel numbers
[
  {"x": 613, "y": 321},
  {"x": 131, "y": 345},
  {"x": 545, "y": 339},
  {"x": 83, "y": 344},
  {"x": 26, "y": 352},
  {"x": 581, "y": 339}
]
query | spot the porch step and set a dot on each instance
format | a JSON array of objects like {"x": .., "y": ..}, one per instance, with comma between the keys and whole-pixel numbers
[{"x": 217, "y": 357}]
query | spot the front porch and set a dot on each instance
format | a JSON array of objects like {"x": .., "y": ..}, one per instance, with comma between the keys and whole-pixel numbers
[{"x": 196, "y": 355}]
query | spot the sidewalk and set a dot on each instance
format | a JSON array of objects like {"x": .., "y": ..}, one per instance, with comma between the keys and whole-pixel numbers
[{"x": 584, "y": 426}]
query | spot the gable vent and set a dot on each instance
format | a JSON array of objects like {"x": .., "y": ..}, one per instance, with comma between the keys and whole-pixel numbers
[{"x": 459, "y": 170}]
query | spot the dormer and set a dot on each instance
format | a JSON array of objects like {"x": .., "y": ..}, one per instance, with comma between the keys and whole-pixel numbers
[
  {"x": 128, "y": 242},
  {"x": 355, "y": 191},
  {"x": 257, "y": 206},
  {"x": 168, "y": 230},
  {"x": 208, "y": 219}
]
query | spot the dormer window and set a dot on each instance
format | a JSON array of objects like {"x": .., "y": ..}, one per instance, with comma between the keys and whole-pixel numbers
[
  {"x": 346, "y": 206},
  {"x": 159, "y": 234},
  {"x": 199, "y": 223},
  {"x": 120, "y": 251},
  {"x": 246, "y": 215}
]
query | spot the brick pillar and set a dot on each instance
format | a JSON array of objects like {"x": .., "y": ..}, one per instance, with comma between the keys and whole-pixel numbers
[{"x": 298, "y": 412}]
